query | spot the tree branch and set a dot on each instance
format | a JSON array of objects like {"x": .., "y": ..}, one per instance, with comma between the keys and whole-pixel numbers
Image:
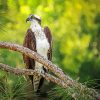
[
  {"x": 17, "y": 71},
  {"x": 52, "y": 67},
  {"x": 62, "y": 80}
]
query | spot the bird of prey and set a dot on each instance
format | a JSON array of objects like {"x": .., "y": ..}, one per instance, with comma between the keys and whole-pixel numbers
[{"x": 39, "y": 40}]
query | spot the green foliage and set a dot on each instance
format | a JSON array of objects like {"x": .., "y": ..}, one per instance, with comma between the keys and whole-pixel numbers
[
  {"x": 72, "y": 93},
  {"x": 15, "y": 89}
]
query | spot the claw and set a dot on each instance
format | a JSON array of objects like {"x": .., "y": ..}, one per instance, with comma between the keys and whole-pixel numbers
[{"x": 40, "y": 71}]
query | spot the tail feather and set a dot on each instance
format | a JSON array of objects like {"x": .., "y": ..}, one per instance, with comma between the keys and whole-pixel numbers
[
  {"x": 36, "y": 81},
  {"x": 40, "y": 84},
  {"x": 31, "y": 78}
]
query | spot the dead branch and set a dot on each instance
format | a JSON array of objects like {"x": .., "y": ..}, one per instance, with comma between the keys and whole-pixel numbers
[
  {"x": 17, "y": 71},
  {"x": 52, "y": 67}
]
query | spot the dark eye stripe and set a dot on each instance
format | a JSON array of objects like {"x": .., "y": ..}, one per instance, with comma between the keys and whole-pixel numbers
[
  {"x": 31, "y": 16},
  {"x": 37, "y": 19}
]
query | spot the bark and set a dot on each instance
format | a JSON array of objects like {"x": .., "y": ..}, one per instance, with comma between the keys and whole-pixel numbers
[
  {"x": 52, "y": 67},
  {"x": 61, "y": 79},
  {"x": 18, "y": 71}
]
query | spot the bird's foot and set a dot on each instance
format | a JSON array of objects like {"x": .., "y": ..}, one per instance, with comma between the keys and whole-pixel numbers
[{"x": 40, "y": 71}]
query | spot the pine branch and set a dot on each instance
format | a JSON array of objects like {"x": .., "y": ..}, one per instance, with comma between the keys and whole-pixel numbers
[
  {"x": 18, "y": 71},
  {"x": 62, "y": 80},
  {"x": 52, "y": 67}
]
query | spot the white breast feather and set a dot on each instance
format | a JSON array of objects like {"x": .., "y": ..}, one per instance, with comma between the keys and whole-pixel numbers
[{"x": 42, "y": 44}]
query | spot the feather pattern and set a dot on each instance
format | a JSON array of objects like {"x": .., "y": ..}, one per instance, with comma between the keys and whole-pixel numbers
[
  {"x": 49, "y": 37},
  {"x": 30, "y": 42}
]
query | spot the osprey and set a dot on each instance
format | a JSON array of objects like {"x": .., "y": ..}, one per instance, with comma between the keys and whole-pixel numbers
[{"x": 38, "y": 40}]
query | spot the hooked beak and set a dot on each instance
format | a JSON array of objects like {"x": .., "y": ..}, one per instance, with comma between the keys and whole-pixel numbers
[{"x": 28, "y": 19}]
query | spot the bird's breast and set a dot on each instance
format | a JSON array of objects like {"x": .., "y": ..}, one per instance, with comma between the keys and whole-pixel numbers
[{"x": 42, "y": 46}]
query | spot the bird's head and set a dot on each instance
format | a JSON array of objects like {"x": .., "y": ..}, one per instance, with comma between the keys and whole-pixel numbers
[{"x": 33, "y": 17}]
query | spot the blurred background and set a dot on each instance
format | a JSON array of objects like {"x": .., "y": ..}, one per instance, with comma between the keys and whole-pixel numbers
[{"x": 75, "y": 26}]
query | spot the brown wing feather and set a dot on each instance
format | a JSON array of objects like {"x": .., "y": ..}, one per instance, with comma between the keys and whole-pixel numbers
[
  {"x": 49, "y": 37},
  {"x": 29, "y": 42}
]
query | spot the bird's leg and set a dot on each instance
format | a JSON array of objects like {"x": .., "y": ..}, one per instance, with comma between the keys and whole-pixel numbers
[
  {"x": 41, "y": 71},
  {"x": 39, "y": 68},
  {"x": 45, "y": 69}
]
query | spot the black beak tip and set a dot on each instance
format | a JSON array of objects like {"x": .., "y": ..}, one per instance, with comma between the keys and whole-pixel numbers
[{"x": 27, "y": 19}]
